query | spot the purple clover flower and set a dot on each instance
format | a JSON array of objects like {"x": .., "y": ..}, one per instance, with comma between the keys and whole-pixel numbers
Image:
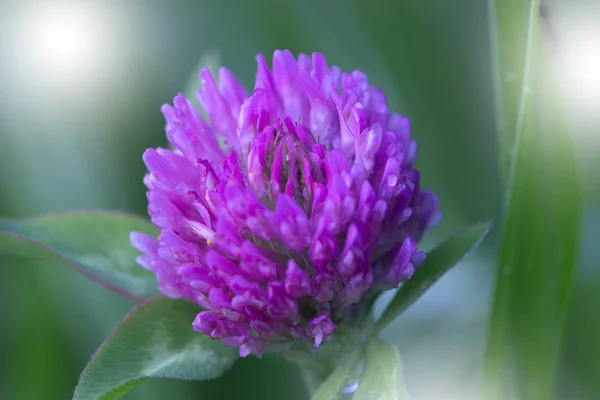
[{"x": 288, "y": 207}]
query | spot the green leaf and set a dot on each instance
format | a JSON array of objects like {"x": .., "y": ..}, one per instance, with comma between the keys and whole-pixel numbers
[
  {"x": 155, "y": 340},
  {"x": 93, "y": 243},
  {"x": 438, "y": 261},
  {"x": 331, "y": 388},
  {"x": 538, "y": 248},
  {"x": 382, "y": 378}
]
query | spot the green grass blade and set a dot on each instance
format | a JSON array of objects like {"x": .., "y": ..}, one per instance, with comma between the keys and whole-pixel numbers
[
  {"x": 509, "y": 22},
  {"x": 537, "y": 254}
]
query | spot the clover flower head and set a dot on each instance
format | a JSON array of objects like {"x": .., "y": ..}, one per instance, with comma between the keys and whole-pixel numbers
[{"x": 287, "y": 207}]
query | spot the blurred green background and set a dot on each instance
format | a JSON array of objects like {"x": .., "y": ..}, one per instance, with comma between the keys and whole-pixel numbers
[{"x": 78, "y": 108}]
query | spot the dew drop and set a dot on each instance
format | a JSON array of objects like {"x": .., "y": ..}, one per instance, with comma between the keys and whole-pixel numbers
[
  {"x": 353, "y": 381},
  {"x": 350, "y": 387}
]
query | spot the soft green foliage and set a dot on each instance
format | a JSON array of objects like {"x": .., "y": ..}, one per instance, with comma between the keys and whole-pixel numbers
[
  {"x": 538, "y": 250},
  {"x": 382, "y": 377},
  {"x": 331, "y": 388},
  {"x": 154, "y": 341},
  {"x": 94, "y": 243},
  {"x": 438, "y": 261}
]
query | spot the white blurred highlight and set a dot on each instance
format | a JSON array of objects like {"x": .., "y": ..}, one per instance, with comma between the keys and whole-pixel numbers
[
  {"x": 63, "y": 40},
  {"x": 578, "y": 62},
  {"x": 581, "y": 63}
]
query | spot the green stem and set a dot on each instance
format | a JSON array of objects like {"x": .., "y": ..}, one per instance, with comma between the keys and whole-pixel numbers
[
  {"x": 314, "y": 374},
  {"x": 317, "y": 365}
]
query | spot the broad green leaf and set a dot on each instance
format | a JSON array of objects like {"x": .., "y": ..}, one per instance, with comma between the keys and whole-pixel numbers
[
  {"x": 93, "y": 243},
  {"x": 438, "y": 261},
  {"x": 332, "y": 388},
  {"x": 155, "y": 340},
  {"x": 538, "y": 249},
  {"x": 382, "y": 378}
]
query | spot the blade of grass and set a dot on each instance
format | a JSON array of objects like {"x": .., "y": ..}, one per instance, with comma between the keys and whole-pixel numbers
[
  {"x": 509, "y": 23},
  {"x": 539, "y": 234}
]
